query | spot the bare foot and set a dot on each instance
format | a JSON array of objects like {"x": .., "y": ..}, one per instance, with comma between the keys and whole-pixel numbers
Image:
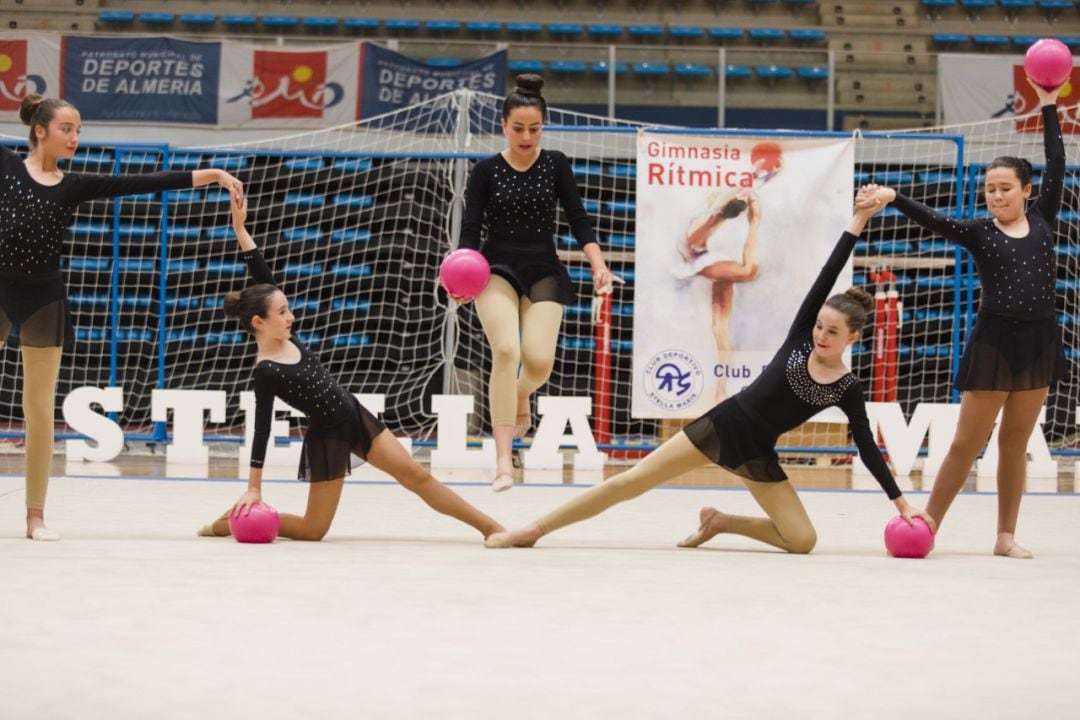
[
  {"x": 522, "y": 537},
  {"x": 1006, "y": 547},
  {"x": 713, "y": 522}
]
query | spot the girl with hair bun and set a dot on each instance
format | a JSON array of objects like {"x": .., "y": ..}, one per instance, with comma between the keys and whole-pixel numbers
[
  {"x": 1014, "y": 353},
  {"x": 338, "y": 425},
  {"x": 514, "y": 196},
  {"x": 805, "y": 376},
  {"x": 37, "y": 201}
]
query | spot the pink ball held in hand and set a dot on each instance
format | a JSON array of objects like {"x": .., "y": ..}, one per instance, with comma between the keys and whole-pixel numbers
[
  {"x": 465, "y": 273},
  {"x": 258, "y": 526},
  {"x": 1048, "y": 63},
  {"x": 908, "y": 541}
]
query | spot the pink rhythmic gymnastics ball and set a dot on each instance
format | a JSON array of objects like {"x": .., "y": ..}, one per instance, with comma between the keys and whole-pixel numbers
[
  {"x": 908, "y": 541},
  {"x": 1048, "y": 63},
  {"x": 465, "y": 273},
  {"x": 258, "y": 526}
]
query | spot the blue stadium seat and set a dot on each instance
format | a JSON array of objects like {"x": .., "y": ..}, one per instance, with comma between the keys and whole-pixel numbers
[
  {"x": 302, "y": 234},
  {"x": 88, "y": 227},
  {"x": 226, "y": 267},
  {"x": 526, "y": 66},
  {"x": 357, "y": 201},
  {"x": 950, "y": 39},
  {"x": 89, "y": 264},
  {"x": 582, "y": 168},
  {"x": 183, "y": 232},
  {"x": 219, "y": 196},
  {"x": 231, "y": 163},
  {"x": 175, "y": 266},
  {"x": 280, "y": 21},
  {"x": 198, "y": 20},
  {"x": 643, "y": 31},
  {"x": 606, "y": 31},
  {"x": 305, "y": 303},
  {"x": 602, "y": 67},
  {"x": 651, "y": 69},
  {"x": 350, "y": 340},
  {"x": 895, "y": 177},
  {"x": 893, "y": 247},
  {"x": 239, "y": 20},
  {"x": 346, "y": 270},
  {"x": 686, "y": 32},
  {"x": 1025, "y": 41},
  {"x": 311, "y": 339},
  {"x": 767, "y": 34},
  {"x": 442, "y": 62},
  {"x": 295, "y": 269},
  {"x": 1016, "y": 5},
  {"x": 320, "y": 22},
  {"x": 738, "y": 71},
  {"x": 177, "y": 197},
  {"x": 621, "y": 170},
  {"x": 565, "y": 29},
  {"x": 524, "y": 28},
  {"x": 726, "y": 33},
  {"x": 592, "y": 206},
  {"x": 352, "y": 165},
  {"x": 773, "y": 72},
  {"x": 304, "y": 164},
  {"x": 305, "y": 199},
  {"x": 692, "y": 70},
  {"x": 619, "y": 241},
  {"x": 139, "y": 160},
  {"x": 442, "y": 26},
  {"x": 402, "y": 24},
  {"x": 567, "y": 67},
  {"x": 138, "y": 230},
  {"x": 84, "y": 299},
  {"x": 936, "y": 176},
  {"x": 1069, "y": 40},
  {"x": 1055, "y": 4},
  {"x": 225, "y": 338},
  {"x": 351, "y": 235},
  {"x": 1067, "y": 250},
  {"x": 354, "y": 304},
  {"x": 991, "y": 40},
  {"x": 357, "y": 23},
  {"x": 157, "y": 18},
  {"x": 135, "y": 334},
  {"x": 935, "y": 7},
  {"x": 224, "y": 232},
  {"x": 483, "y": 26},
  {"x": 977, "y": 4},
  {"x": 936, "y": 247},
  {"x": 90, "y": 334},
  {"x": 807, "y": 35},
  {"x": 1067, "y": 284},
  {"x": 88, "y": 158},
  {"x": 813, "y": 72},
  {"x": 142, "y": 301},
  {"x": 116, "y": 16}
]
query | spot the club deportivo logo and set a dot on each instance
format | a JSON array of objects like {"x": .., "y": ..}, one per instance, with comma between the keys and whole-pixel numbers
[{"x": 673, "y": 380}]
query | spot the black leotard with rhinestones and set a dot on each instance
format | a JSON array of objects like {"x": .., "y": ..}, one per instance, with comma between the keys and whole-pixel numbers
[
  {"x": 34, "y": 218},
  {"x": 1018, "y": 275},
  {"x": 305, "y": 385},
  {"x": 784, "y": 396}
]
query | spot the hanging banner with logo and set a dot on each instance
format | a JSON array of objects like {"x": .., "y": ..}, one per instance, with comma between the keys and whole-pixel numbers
[
  {"x": 273, "y": 87},
  {"x": 975, "y": 88},
  {"x": 144, "y": 80},
  {"x": 29, "y": 63},
  {"x": 392, "y": 81},
  {"x": 731, "y": 233}
]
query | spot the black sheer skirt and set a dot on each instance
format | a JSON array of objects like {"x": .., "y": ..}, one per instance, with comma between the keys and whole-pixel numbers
[
  {"x": 539, "y": 276},
  {"x": 1005, "y": 353},
  {"x": 731, "y": 438},
  {"x": 328, "y": 449},
  {"x": 34, "y": 311}
]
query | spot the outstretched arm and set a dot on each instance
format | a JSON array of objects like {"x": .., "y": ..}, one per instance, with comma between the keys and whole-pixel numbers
[
  {"x": 257, "y": 267},
  {"x": 867, "y": 202},
  {"x": 91, "y": 186},
  {"x": 1050, "y": 189}
]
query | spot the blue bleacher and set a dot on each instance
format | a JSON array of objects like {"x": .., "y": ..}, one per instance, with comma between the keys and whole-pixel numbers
[
  {"x": 295, "y": 269},
  {"x": 606, "y": 31},
  {"x": 938, "y": 4},
  {"x": 1023, "y": 41},
  {"x": 526, "y": 66},
  {"x": 184, "y": 196},
  {"x": 116, "y": 16},
  {"x": 220, "y": 233},
  {"x": 483, "y": 26},
  {"x": 304, "y": 164},
  {"x": 142, "y": 301},
  {"x": 1055, "y": 4},
  {"x": 197, "y": 19},
  {"x": 305, "y": 199},
  {"x": 738, "y": 71},
  {"x": 1017, "y": 4},
  {"x": 305, "y": 303},
  {"x": 81, "y": 299},
  {"x": 231, "y": 163},
  {"x": 813, "y": 72},
  {"x": 621, "y": 170},
  {"x": 692, "y": 70},
  {"x": 565, "y": 28},
  {"x": 654, "y": 69},
  {"x": 351, "y": 235},
  {"x": 135, "y": 334},
  {"x": 1070, "y": 41},
  {"x": 592, "y": 206},
  {"x": 524, "y": 28},
  {"x": 686, "y": 32},
  {"x": 91, "y": 227},
  {"x": 894, "y": 177},
  {"x": 157, "y": 18},
  {"x": 183, "y": 232},
  {"x": 582, "y": 168},
  {"x": 643, "y": 31},
  {"x": 602, "y": 67},
  {"x": 280, "y": 21},
  {"x": 568, "y": 67},
  {"x": 302, "y": 234},
  {"x": 352, "y": 165},
  {"x": 726, "y": 33},
  {"x": 359, "y": 201},
  {"x": 991, "y": 40},
  {"x": 321, "y": 22},
  {"x": 356, "y": 304},
  {"x": 346, "y": 270},
  {"x": 773, "y": 72},
  {"x": 621, "y": 207},
  {"x": 937, "y": 176},
  {"x": 350, "y": 340},
  {"x": 977, "y": 4},
  {"x": 807, "y": 35},
  {"x": 226, "y": 267},
  {"x": 136, "y": 265},
  {"x": 767, "y": 34},
  {"x": 357, "y": 23},
  {"x": 442, "y": 26},
  {"x": 403, "y": 24},
  {"x": 619, "y": 240},
  {"x": 91, "y": 157},
  {"x": 950, "y": 38},
  {"x": 217, "y": 195},
  {"x": 89, "y": 264},
  {"x": 936, "y": 247},
  {"x": 239, "y": 20},
  {"x": 175, "y": 266}
]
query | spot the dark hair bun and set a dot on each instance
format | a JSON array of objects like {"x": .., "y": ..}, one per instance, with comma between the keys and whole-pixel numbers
[
  {"x": 862, "y": 297},
  {"x": 28, "y": 106},
  {"x": 529, "y": 84},
  {"x": 231, "y": 306}
]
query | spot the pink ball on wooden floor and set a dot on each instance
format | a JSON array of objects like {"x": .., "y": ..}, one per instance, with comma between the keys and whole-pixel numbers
[
  {"x": 908, "y": 541},
  {"x": 465, "y": 273},
  {"x": 1048, "y": 62},
  {"x": 258, "y": 526}
]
